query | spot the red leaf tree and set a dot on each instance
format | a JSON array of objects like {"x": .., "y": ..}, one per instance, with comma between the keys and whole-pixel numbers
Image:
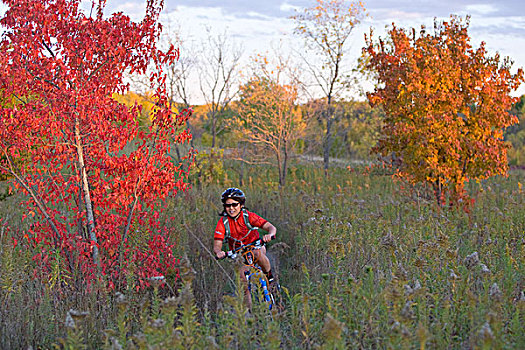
[
  {"x": 447, "y": 105},
  {"x": 94, "y": 177}
]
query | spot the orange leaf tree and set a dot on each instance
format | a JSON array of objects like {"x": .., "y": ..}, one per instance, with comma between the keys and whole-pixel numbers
[
  {"x": 268, "y": 116},
  {"x": 447, "y": 105},
  {"x": 93, "y": 176}
]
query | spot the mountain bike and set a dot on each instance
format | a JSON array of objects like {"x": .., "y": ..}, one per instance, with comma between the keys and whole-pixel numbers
[{"x": 258, "y": 285}]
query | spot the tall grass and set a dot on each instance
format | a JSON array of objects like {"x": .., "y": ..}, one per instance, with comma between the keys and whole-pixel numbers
[{"x": 370, "y": 264}]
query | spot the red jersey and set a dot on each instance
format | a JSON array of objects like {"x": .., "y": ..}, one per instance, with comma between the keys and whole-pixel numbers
[{"x": 238, "y": 228}]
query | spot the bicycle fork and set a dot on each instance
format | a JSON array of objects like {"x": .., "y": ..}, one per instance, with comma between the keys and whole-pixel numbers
[{"x": 264, "y": 286}]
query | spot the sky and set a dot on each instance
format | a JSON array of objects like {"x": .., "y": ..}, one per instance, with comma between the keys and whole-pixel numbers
[{"x": 259, "y": 24}]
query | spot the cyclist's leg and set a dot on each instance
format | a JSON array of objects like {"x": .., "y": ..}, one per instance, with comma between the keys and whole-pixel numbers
[
  {"x": 262, "y": 259},
  {"x": 265, "y": 265}
]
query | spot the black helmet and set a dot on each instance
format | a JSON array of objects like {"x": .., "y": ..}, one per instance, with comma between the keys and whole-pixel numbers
[{"x": 233, "y": 193}]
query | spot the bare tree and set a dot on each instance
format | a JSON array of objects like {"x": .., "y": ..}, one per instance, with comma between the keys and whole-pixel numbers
[
  {"x": 181, "y": 74},
  {"x": 218, "y": 77},
  {"x": 326, "y": 28}
]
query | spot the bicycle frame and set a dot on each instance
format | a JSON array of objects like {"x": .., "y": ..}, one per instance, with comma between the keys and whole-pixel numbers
[{"x": 254, "y": 275}]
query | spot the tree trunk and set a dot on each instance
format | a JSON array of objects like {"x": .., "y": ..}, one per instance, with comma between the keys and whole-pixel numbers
[
  {"x": 179, "y": 158},
  {"x": 279, "y": 168},
  {"x": 438, "y": 193},
  {"x": 285, "y": 166},
  {"x": 328, "y": 140},
  {"x": 87, "y": 197},
  {"x": 213, "y": 126},
  {"x": 241, "y": 173}
]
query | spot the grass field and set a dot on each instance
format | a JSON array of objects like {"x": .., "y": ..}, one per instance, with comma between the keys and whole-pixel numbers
[{"x": 365, "y": 262}]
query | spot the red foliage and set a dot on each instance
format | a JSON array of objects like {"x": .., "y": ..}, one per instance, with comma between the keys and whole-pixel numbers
[{"x": 91, "y": 174}]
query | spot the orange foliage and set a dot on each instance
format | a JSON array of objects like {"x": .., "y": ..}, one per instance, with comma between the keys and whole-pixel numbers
[
  {"x": 269, "y": 119},
  {"x": 446, "y": 106}
]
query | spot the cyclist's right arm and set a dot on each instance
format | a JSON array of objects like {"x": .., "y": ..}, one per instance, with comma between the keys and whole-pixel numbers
[
  {"x": 218, "y": 239},
  {"x": 217, "y": 249}
]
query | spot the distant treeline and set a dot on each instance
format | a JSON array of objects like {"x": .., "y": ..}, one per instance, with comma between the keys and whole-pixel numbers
[{"x": 357, "y": 128}]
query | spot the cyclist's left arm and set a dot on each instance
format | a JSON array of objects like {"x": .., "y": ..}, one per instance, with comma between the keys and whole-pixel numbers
[
  {"x": 268, "y": 227},
  {"x": 257, "y": 221}
]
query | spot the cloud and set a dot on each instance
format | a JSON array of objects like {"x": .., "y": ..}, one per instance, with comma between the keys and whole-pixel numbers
[
  {"x": 289, "y": 8},
  {"x": 243, "y": 8},
  {"x": 414, "y": 13},
  {"x": 382, "y": 11},
  {"x": 256, "y": 30},
  {"x": 482, "y": 9},
  {"x": 404, "y": 15},
  {"x": 509, "y": 27},
  {"x": 445, "y": 7},
  {"x": 135, "y": 9}
]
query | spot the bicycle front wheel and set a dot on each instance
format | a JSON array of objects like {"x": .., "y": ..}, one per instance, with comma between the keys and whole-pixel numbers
[{"x": 260, "y": 290}]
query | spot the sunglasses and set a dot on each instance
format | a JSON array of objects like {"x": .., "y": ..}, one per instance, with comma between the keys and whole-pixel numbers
[{"x": 233, "y": 205}]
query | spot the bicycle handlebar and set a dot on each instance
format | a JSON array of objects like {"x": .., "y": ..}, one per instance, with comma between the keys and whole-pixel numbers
[{"x": 232, "y": 254}]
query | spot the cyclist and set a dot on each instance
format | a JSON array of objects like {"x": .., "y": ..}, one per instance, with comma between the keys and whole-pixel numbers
[{"x": 240, "y": 226}]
